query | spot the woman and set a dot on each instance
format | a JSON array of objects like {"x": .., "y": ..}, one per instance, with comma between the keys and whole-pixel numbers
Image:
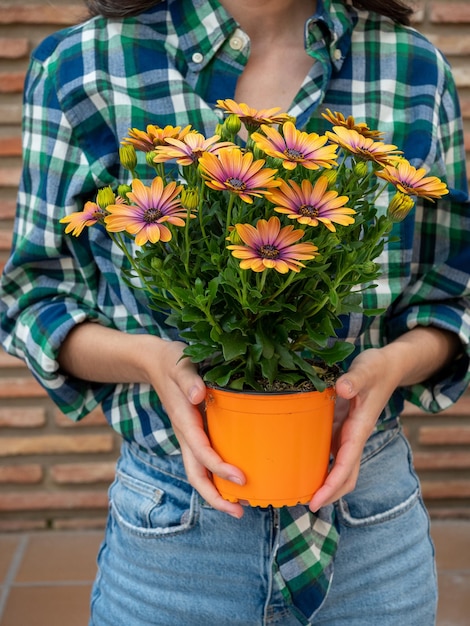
[{"x": 172, "y": 556}]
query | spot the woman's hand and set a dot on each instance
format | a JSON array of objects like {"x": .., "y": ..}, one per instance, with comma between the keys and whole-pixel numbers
[
  {"x": 366, "y": 388},
  {"x": 182, "y": 392},
  {"x": 362, "y": 393}
]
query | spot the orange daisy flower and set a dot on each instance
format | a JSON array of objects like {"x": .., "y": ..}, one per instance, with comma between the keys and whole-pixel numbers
[
  {"x": 412, "y": 181},
  {"x": 365, "y": 147},
  {"x": 152, "y": 207},
  {"x": 338, "y": 119},
  {"x": 77, "y": 221},
  {"x": 310, "y": 204},
  {"x": 252, "y": 117},
  {"x": 295, "y": 147},
  {"x": 235, "y": 171},
  {"x": 154, "y": 136},
  {"x": 190, "y": 149},
  {"x": 268, "y": 246}
]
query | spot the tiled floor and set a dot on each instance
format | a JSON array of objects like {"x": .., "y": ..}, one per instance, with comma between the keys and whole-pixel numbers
[{"x": 45, "y": 578}]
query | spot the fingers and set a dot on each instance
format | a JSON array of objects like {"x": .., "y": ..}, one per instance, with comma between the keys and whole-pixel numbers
[{"x": 181, "y": 391}]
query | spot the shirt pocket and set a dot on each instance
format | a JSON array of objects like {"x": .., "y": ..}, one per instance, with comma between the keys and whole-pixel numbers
[
  {"x": 387, "y": 486},
  {"x": 160, "y": 505}
]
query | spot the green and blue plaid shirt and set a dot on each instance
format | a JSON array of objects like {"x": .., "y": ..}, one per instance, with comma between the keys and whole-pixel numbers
[{"x": 89, "y": 84}]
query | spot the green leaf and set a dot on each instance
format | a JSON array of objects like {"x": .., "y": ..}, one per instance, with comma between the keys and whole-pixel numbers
[{"x": 233, "y": 345}]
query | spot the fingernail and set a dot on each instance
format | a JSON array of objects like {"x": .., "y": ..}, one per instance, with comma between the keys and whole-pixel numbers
[
  {"x": 235, "y": 479},
  {"x": 192, "y": 394}
]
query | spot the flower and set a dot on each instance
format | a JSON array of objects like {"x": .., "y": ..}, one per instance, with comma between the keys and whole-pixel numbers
[
  {"x": 154, "y": 136},
  {"x": 270, "y": 246},
  {"x": 295, "y": 147},
  {"x": 310, "y": 204},
  {"x": 399, "y": 207},
  {"x": 237, "y": 172},
  {"x": 77, "y": 221},
  {"x": 365, "y": 147},
  {"x": 338, "y": 119},
  {"x": 145, "y": 219},
  {"x": 188, "y": 150},
  {"x": 253, "y": 253},
  {"x": 251, "y": 117},
  {"x": 412, "y": 181}
]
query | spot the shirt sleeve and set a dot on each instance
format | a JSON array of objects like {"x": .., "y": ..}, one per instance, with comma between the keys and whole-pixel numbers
[
  {"x": 438, "y": 293},
  {"x": 49, "y": 283}
]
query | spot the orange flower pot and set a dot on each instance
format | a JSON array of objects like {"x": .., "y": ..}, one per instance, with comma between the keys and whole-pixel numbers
[{"x": 281, "y": 442}]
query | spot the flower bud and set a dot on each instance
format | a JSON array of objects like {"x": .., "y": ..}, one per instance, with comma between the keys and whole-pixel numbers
[
  {"x": 369, "y": 267},
  {"x": 233, "y": 236},
  {"x": 233, "y": 124},
  {"x": 399, "y": 207},
  {"x": 128, "y": 157},
  {"x": 149, "y": 157},
  {"x": 190, "y": 199},
  {"x": 156, "y": 264},
  {"x": 105, "y": 197},
  {"x": 331, "y": 175},
  {"x": 123, "y": 190},
  {"x": 361, "y": 169}
]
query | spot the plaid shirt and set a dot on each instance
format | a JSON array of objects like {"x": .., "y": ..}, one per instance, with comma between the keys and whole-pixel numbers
[{"x": 89, "y": 84}]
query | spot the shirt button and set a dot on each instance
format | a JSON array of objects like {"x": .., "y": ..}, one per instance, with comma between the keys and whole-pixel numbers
[
  {"x": 236, "y": 43},
  {"x": 337, "y": 54},
  {"x": 197, "y": 57}
]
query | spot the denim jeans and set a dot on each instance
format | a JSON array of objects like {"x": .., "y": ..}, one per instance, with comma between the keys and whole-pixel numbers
[{"x": 169, "y": 559}]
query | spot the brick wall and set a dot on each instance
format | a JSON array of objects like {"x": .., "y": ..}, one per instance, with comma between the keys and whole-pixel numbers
[{"x": 54, "y": 473}]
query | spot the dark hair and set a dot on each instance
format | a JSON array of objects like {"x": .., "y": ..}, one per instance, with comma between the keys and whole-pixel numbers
[{"x": 397, "y": 10}]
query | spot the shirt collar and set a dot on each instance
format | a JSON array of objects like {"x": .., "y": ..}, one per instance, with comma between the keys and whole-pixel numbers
[
  {"x": 331, "y": 26},
  {"x": 202, "y": 27}
]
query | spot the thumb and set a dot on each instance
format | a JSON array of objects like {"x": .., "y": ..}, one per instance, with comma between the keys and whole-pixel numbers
[{"x": 346, "y": 387}]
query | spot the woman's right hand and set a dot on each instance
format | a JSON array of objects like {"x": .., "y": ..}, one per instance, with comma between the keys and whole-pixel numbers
[
  {"x": 182, "y": 392},
  {"x": 120, "y": 357}
]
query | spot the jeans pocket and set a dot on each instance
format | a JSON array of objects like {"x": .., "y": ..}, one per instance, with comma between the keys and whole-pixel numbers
[
  {"x": 151, "y": 502},
  {"x": 387, "y": 485}
]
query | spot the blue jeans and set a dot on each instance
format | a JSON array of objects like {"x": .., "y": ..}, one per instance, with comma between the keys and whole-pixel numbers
[{"x": 168, "y": 559}]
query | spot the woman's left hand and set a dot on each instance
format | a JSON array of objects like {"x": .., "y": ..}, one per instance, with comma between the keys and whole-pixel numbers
[{"x": 362, "y": 393}]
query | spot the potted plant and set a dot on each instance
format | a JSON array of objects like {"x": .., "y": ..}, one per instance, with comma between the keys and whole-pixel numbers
[{"x": 253, "y": 252}]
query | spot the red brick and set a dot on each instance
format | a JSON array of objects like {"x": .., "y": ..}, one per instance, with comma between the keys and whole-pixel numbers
[
  {"x": 10, "y": 146},
  {"x": 451, "y": 45},
  {"x": 441, "y": 460},
  {"x": 80, "y": 523},
  {"x": 21, "y": 474},
  {"x": 444, "y": 435},
  {"x": 26, "y": 417},
  {"x": 53, "y": 14},
  {"x": 11, "y": 113},
  {"x": 95, "y": 418},
  {"x": 445, "y": 489},
  {"x": 6, "y": 360},
  {"x": 12, "y": 82},
  {"x": 25, "y": 387},
  {"x": 5, "y": 239},
  {"x": 55, "y": 444},
  {"x": 450, "y": 12},
  {"x": 9, "y": 176},
  {"x": 84, "y": 473},
  {"x": 14, "y": 47},
  {"x": 41, "y": 500},
  {"x": 7, "y": 209},
  {"x": 21, "y": 525}
]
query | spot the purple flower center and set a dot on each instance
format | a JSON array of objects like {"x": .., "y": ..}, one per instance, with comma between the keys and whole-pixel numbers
[
  {"x": 236, "y": 184},
  {"x": 152, "y": 215},
  {"x": 293, "y": 154},
  {"x": 308, "y": 210},
  {"x": 269, "y": 252}
]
